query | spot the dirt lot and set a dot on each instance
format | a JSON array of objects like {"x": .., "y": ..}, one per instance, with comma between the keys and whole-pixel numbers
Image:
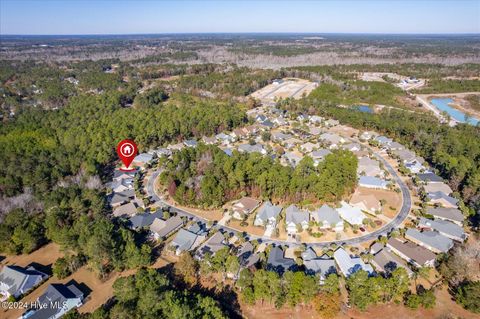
[{"x": 291, "y": 87}]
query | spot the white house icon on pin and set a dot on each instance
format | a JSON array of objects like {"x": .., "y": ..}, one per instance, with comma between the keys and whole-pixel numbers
[{"x": 127, "y": 149}]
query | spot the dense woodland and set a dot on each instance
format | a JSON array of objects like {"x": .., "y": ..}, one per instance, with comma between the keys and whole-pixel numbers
[{"x": 206, "y": 176}]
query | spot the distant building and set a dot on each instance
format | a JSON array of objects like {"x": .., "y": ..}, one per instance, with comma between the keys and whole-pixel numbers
[
  {"x": 451, "y": 214},
  {"x": 443, "y": 227},
  {"x": 327, "y": 217},
  {"x": 352, "y": 215},
  {"x": 163, "y": 228},
  {"x": 243, "y": 207},
  {"x": 372, "y": 182},
  {"x": 295, "y": 218}
]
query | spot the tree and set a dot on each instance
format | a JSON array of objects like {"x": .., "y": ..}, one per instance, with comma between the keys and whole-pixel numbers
[
  {"x": 327, "y": 305},
  {"x": 187, "y": 268},
  {"x": 468, "y": 295}
]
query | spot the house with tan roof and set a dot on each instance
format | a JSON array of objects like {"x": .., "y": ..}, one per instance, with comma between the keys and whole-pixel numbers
[
  {"x": 366, "y": 202},
  {"x": 244, "y": 207},
  {"x": 412, "y": 253}
]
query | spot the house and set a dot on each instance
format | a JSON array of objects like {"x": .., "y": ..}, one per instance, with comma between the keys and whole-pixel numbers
[
  {"x": 438, "y": 187},
  {"x": 56, "y": 301},
  {"x": 451, "y": 214},
  {"x": 190, "y": 143},
  {"x": 176, "y": 147},
  {"x": 443, "y": 227},
  {"x": 127, "y": 210},
  {"x": 412, "y": 253},
  {"x": 243, "y": 207},
  {"x": 186, "y": 240},
  {"x": 291, "y": 142},
  {"x": 211, "y": 246},
  {"x": 405, "y": 156},
  {"x": 429, "y": 239},
  {"x": 308, "y": 147},
  {"x": 383, "y": 141},
  {"x": 140, "y": 221},
  {"x": 369, "y": 167},
  {"x": 315, "y": 130},
  {"x": 295, "y": 219},
  {"x": 119, "y": 175},
  {"x": 163, "y": 152},
  {"x": 16, "y": 281},
  {"x": 319, "y": 155},
  {"x": 386, "y": 262},
  {"x": 366, "y": 202},
  {"x": 332, "y": 139},
  {"x": 309, "y": 254},
  {"x": 122, "y": 185},
  {"x": 352, "y": 215},
  {"x": 315, "y": 119},
  {"x": 376, "y": 247},
  {"x": 143, "y": 159},
  {"x": 331, "y": 122},
  {"x": 415, "y": 167},
  {"x": 240, "y": 133},
  {"x": 163, "y": 228},
  {"x": 277, "y": 261},
  {"x": 121, "y": 198},
  {"x": 322, "y": 266},
  {"x": 256, "y": 148},
  {"x": 251, "y": 129},
  {"x": 395, "y": 146},
  {"x": 246, "y": 257},
  {"x": 292, "y": 159},
  {"x": 280, "y": 136},
  {"x": 352, "y": 147},
  {"x": 372, "y": 182},
  {"x": 279, "y": 121},
  {"x": 224, "y": 139},
  {"x": 266, "y": 125},
  {"x": 261, "y": 118},
  {"x": 327, "y": 217},
  {"x": 430, "y": 178},
  {"x": 350, "y": 265},
  {"x": 209, "y": 140},
  {"x": 368, "y": 135},
  {"x": 440, "y": 198},
  {"x": 267, "y": 215}
]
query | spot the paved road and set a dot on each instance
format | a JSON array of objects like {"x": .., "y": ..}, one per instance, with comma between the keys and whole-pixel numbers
[{"x": 394, "y": 223}]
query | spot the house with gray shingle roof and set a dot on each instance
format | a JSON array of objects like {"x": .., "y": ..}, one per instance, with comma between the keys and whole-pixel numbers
[
  {"x": 211, "y": 246},
  {"x": 429, "y": 239},
  {"x": 386, "y": 262},
  {"x": 430, "y": 178},
  {"x": 256, "y": 148},
  {"x": 412, "y": 253},
  {"x": 246, "y": 256},
  {"x": 144, "y": 220},
  {"x": 294, "y": 218},
  {"x": 319, "y": 155},
  {"x": 334, "y": 140},
  {"x": 438, "y": 187},
  {"x": 16, "y": 281},
  {"x": 445, "y": 228},
  {"x": 322, "y": 266},
  {"x": 163, "y": 228},
  {"x": 327, "y": 217},
  {"x": 452, "y": 214},
  {"x": 372, "y": 182},
  {"x": 277, "y": 261},
  {"x": 56, "y": 301},
  {"x": 442, "y": 199},
  {"x": 267, "y": 214},
  {"x": 185, "y": 240},
  {"x": 349, "y": 265}
]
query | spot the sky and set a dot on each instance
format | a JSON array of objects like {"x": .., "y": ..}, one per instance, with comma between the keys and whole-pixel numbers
[{"x": 315, "y": 16}]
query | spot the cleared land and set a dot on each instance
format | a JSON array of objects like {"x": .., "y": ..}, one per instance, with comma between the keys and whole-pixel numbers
[{"x": 285, "y": 88}]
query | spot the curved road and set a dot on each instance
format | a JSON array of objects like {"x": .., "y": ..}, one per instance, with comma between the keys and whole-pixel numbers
[{"x": 394, "y": 223}]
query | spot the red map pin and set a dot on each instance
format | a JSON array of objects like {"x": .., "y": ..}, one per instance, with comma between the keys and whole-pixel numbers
[{"x": 127, "y": 150}]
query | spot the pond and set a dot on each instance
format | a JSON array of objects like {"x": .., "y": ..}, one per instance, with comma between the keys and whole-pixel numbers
[
  {"x": 442, "y": 105},
  {"x": 363, "y": 108}
]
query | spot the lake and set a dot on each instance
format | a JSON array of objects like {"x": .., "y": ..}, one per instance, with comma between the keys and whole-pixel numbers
[{"x": 442, "y": 105}]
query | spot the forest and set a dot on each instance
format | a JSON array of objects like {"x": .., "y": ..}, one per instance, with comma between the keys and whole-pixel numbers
[{"x": 205, "y": 176}]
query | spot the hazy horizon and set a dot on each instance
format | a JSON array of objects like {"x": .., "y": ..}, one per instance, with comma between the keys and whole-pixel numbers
[{"x": 203, "y": 17}]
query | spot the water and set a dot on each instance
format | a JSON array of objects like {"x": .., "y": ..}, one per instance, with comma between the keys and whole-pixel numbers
[
  {"x": 442, "y": 105},
  {"x": 363, "y": 108}
]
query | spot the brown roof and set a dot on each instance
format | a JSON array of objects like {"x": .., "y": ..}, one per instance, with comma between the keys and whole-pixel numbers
[
  {"x": 417, "y": 253},
  {"x": 369, "y": 200},
  {"x": 246, "y": 204}
]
